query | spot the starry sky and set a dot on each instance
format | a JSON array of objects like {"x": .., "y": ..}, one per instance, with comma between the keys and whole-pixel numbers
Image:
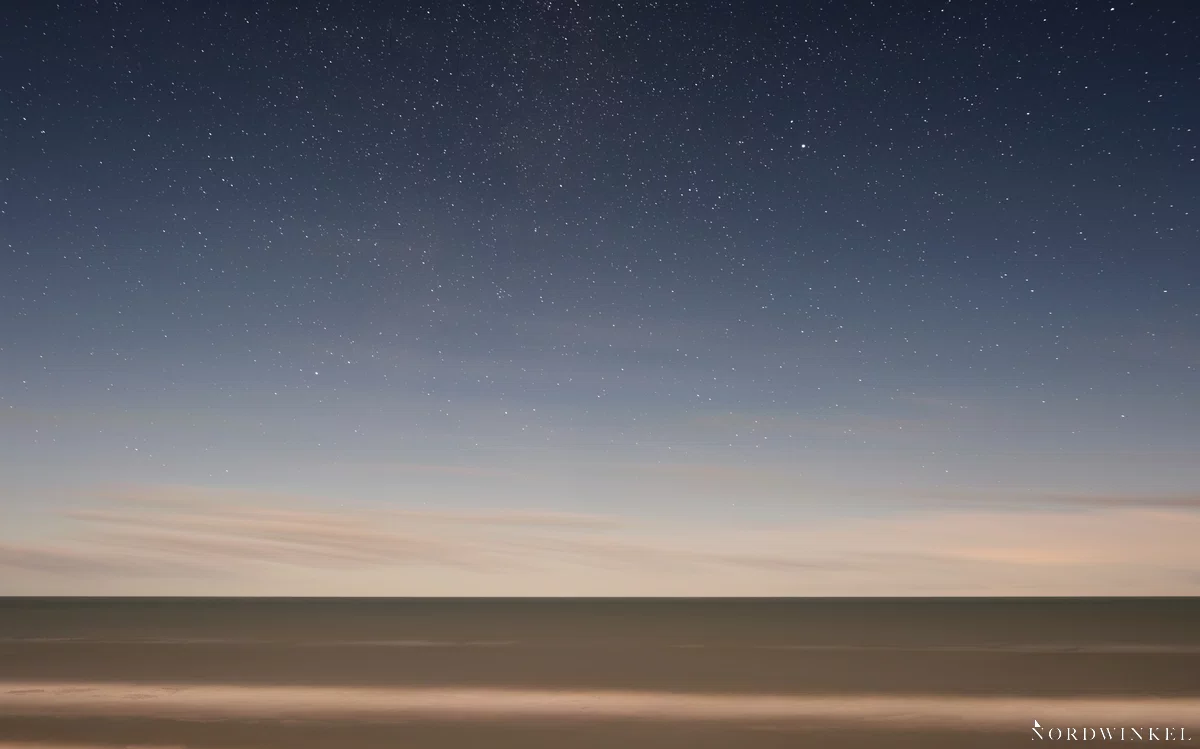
[{"x": 599, "y": 298}]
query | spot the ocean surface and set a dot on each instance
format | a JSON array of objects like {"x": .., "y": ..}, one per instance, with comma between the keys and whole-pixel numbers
[{"x": 348, "y": 673}]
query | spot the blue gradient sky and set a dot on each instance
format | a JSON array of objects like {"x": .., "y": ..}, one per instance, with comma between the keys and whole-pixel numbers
[{"x": 704, "y": 271}]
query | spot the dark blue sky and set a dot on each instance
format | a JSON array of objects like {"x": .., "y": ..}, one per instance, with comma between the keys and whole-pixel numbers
[{"x": 886, "y": 253}]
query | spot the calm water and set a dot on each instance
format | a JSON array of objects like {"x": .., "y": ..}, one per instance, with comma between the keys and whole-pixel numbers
[
  {"x": 641, "y": 672},
  {"x": 905, "y": 622}
]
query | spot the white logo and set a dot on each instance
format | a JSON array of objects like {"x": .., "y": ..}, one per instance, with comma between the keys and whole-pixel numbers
[{"x": 1109, "y": 733}]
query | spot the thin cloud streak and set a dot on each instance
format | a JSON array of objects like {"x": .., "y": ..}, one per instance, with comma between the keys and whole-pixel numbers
[
  {"x": 1050, "y": 499},
  {"x": 305, "y": 545},
  {"x": 89, "y": 562}
]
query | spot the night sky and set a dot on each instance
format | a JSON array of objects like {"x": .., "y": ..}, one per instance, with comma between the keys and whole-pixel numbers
[{"x": 600, "y": 298}]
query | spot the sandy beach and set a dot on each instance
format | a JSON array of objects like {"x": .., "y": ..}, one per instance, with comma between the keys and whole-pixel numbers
[{"x": 292, "y": 673}]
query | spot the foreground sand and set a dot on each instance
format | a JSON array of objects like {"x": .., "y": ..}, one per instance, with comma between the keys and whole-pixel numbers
[
  {"x": 138, "y": 734},
  {"x": 297, "y": 674},
  {"x": 106, "y": 714},
  {"x": 399, "y": 705}
]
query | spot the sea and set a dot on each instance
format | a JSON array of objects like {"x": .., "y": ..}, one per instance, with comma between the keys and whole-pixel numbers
[{"x": 261, "y": 673}]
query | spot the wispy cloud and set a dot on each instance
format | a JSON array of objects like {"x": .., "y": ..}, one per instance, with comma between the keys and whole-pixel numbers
[
  {"x": 1085, "y": 544},
  {"x": 86, "y": 561},
  {"x": 820, "y": 426},
  {"x": 426, "y": 469},
  {"x": 526, "y": 518},
  {"x": 1058, "y": 500}
]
